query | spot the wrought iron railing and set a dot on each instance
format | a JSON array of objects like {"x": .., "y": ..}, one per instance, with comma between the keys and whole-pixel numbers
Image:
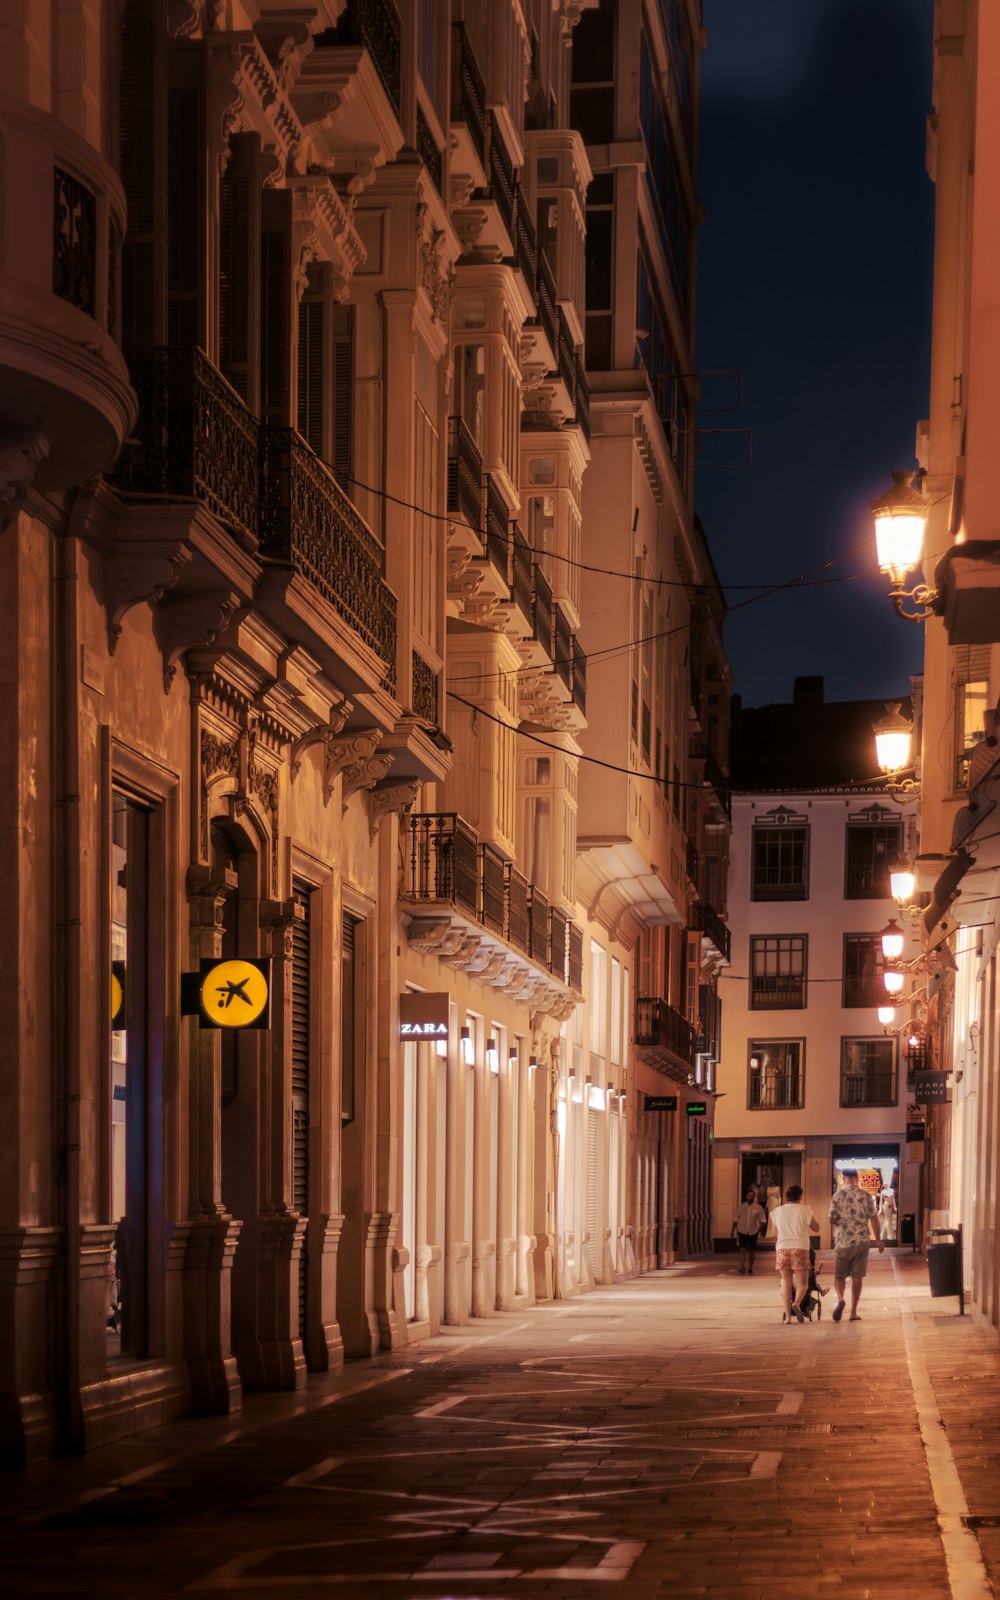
[
  {"x": 427, "y": 149},
  {"x": 497, "y": 547},
  {"x": 526, "y": 244},
  {"x": 501, "y": 169},
  {"x": 520, "y": 571},
  {"x": 579, "y": 677},
  {"x": 424, "y": 691},
  {"x": 777, "y": 1092},
  {"x": 468, "y": 91},
  {"x": 74, "y": 242},
  {"x": 465, "y": 473},
  {"x": 777, "y": 992},
  {"x": 538, "y": 926},
  {"x": 518, "y": 930},
  {"x": 692, "y": 862},
  {"x": 559, "y": 925},
  {"x": 194, "y": 437},
  {"x": 567, "y": 357},
  {"x": 715, "y": 776},
  {"x": 442, "y": 861},
  {"x": 541, "y": 610},
  {"x": 308, "y": 522},
  {"x": 866, "y": 880},
  {"x": 705, "y": 918},
  {"x": 562, "y": 646},
  {"x": 868, "y": 1089},
  {"x": 659, "y": 1027},
  {"x": 545, "y": 301},
  {"x": 373, "y": 24},
  {"x": 491, "y": 909},
  {"x": 582, "y": 398},
  {"x": 863, "y": 989},
  {"x": 574, "y": 958}
]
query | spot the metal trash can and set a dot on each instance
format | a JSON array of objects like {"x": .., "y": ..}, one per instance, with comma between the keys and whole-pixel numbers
[
  {"x": 942, "y": 1267},
  {"x": 908, "y": 1228}
]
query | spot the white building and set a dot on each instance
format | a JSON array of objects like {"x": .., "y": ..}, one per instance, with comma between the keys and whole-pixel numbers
[{"x": 809, "y": 1080}]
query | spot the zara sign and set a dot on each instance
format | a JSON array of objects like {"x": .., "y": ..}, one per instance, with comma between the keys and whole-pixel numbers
[{"x": 424, "y": 1017}]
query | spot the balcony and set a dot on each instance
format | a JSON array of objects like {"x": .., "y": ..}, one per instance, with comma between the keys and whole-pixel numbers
[
  {"x": 477, "y": 913},
  {"x": 427, "y": 149},
  {"x": 664, "y": 1037},
  {"x": 777, "y": 992},
  {"x": 691, "y": 863},
  {"x": 465, "y": 474},
  {"x": 567, "y": 362},
  {"x": 371, "y": 26},
  {"x": 497, "y": 547},
  {"x": 715, "y": 779},
  {"x": 868, "y": 1089},
  {"x": 425, "y": 690},
  {"x": 65, "y": 395},
  {"x": 468, "y": 105},
  {"x": 579, "y": 678},
  {"x": 194, "y": 439},
  {"x": 714, "y": 929},
  {"x": 309, "y": 525},
  {"x": 562, "y": 647},
  {"x": 526, "y": 245},
  {"x": 541, "y": 611},
  {"x": 521, "y": 579},
  {"x": 545, "y": 302},
  {"x": 582, "y": 399},
  {"x": 777, "y": 1092},
  {"x": 574, "y": 958},
  {"x": 489, "y": 221},
  {"x": 559, "y": 926}
]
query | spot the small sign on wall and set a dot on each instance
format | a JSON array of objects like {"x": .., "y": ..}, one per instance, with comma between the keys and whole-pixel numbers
[{"x": 424, "y": 1017}]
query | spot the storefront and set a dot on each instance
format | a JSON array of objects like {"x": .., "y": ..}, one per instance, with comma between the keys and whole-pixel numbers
[
  {"x": 877, "y": 1166},
  {"x": 769, "y": 1171}
]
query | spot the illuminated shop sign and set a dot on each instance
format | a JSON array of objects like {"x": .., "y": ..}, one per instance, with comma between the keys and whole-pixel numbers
[
  {"x": 424, "y": 1016},
  {"x": 931, "y": 1088},
  {"x": 233, "y": 994},
  {"x": 697, "y": 1108},
  {"x": 117, "y": 995},
  {"x": 850, "y": 1162},
  {"x": 661, "y": 1102}
]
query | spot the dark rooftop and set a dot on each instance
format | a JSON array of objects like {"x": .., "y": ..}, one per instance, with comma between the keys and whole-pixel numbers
[{"x": 809, "y": 744}]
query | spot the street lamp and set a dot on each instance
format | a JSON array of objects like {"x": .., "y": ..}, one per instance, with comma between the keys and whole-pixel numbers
[
  {"x": 893, "y": 978},
  {"x": 892, "y": 937},
  {"x": 893, "y": 736},
  {"x": 886, "y": 1015},
  {"x": 900, "y": 520},
  {"x": 902, "y": 883}
]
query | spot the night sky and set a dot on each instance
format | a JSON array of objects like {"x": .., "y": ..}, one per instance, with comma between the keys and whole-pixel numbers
[{"x": 815, "y": 279}]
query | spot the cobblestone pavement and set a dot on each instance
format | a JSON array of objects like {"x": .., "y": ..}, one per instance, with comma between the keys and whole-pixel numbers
[{"x": 667, "y": 1435}]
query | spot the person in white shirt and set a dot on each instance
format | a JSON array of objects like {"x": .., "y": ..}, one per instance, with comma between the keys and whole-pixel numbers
[
  {"x": 749, "y": 1220},
  {"x": 793, "y": 1223}
]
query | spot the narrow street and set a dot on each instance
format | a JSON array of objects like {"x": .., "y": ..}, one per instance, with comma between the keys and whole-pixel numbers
[{"x": 667, "y": 1434}]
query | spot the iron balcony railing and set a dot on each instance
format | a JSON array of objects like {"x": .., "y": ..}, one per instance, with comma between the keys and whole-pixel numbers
[
  {"x": 868, "y": 1089},
  {"x": 424, "y": 693},
  {"x": 492, "y": 885},
  {"x": 774, "y": 1092},
  {"x": 465, "y": 474},
  {"x": 502, "y": 181},
  {"x": 518, "y": 928},
  {"x": 579, "y": 677},
  {"x": 538, "y": 926},
  {"x": 574, "y": 958},
  {"x": 545, "y": 301},
  {"x": 777, "y": 992},
  {"x": 708, "y": 921},
  {"x": 559, "y": 926},
  {"x": 659, "y": 1027},
  {"x": 427, "y": 149},
  {"x": 866, "y": 880},
  {"x": 497, "y": 547},
  {"x": 442, "y": 861},
  {"x": 715, "y": 776},
  {"x": 692, "y": 862},
  {"x": 309, "y": 523},
  {"x": 373, "y": 24},
  {"x": 468, "y": 91},
  {"x": 526, "y": 244},
  {"x": 582, "y": 398},
  {"x": 194, "y": 437},
  {"x": 541, "y": 610},
  {"x": 520, "y": 572},
  {"x": 562, "y": 643},
  {"x": 863, "y": 989},
  {"x": 567, "y": 358}
]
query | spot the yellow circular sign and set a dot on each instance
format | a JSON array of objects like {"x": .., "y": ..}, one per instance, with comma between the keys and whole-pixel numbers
[
  {"x": 234, "y": 994},
  {"x": 117, "y": 995}
]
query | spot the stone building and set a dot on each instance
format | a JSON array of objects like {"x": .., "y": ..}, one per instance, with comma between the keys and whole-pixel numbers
[{"x": 293, "y": 381}]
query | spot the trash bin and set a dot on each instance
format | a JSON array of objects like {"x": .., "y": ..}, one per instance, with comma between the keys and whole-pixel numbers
[
  {"x": 942, "y": 1266},
  {"x": 908, "y": 1228}
]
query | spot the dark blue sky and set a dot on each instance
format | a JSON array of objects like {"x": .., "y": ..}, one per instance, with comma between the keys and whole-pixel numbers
[{"x": 815, "y": 279}]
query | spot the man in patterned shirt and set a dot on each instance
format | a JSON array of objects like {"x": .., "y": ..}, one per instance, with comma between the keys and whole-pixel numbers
[{"x": 852, "y": 1212}]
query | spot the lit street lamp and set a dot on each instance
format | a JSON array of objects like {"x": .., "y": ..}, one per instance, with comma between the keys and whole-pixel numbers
[
  {"x": 902, "y": 883},
  {"x": 900, "y": 520},
  {"x": 893, "y": 736},
  {"x": 892, "y": 937}
]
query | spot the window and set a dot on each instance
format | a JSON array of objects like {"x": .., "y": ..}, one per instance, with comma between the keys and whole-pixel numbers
[
  {"x": 972, "y": 702},
  {"x": 598, "y": 1000},
  {"x": 775, "y": 1074},
  {"x": 870, "y": 848},
  {"x": 778, "y": 972},
  {"x": 863, "y": 970},
  {"x": 780, "y": 862},
  {"x": 470, "y": 388},
  {"x": 868, "y": 1072}
]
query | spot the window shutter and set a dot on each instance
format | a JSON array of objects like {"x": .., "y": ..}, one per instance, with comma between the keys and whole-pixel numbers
[
  {"x": 310, "y": 373},
  {"x": 184, "y": 206},
  {"x": 340, "y": 456},
  {"x": 274, "y": 311},
  {"x": 236, "y": 230},
  {"x": 137, "y": 167}
]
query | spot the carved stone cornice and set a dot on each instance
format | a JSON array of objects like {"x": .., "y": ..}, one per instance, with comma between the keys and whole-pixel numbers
[
  {"x": 191, "y": 624},
  {"x": 458, "y": 940},
  {"x": 392, "y": 795}
]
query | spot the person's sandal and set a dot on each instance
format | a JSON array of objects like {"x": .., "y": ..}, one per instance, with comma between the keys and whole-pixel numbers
[
  {"x": 838, "y": 1310},
  {"x": 797, "y": 1310}
]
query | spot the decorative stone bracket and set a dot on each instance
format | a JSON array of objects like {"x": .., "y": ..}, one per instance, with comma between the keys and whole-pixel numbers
[
  {"x": 325, "y": 733},
  {"x": 190, "y": 624},
  {"x": 357, "y": 762},
  {"x": 390, "y": 795},
  {"x": 467, "y": 947}
]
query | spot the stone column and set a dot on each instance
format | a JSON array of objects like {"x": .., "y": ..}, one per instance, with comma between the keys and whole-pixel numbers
[{"x": 456, "y": 1245}]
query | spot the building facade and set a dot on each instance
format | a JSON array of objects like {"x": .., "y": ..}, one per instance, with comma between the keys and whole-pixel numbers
[
  {"x": 812, "y": 1080},
  {"x": 295, "y": 554}
]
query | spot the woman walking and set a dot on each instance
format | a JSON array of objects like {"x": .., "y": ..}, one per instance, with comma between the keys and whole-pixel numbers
[{"x": 793, "y": 1223}]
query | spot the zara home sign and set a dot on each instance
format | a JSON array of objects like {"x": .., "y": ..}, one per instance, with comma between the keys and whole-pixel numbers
[{"x": 424, "y": 1017}]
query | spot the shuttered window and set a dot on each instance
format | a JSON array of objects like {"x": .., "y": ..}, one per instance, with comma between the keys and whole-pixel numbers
[
  {"x": 138, "y": 169},
  {"x": 310, "y": 373},
  {"x": 185, "y": 144},
  {"x": 274, "y": 308},
  {"x": 238, "y": 193},
  {"x": 342, "y": 388},
  {"x": 348, "y": 1014},
  {"x": 301, "y": 976}
]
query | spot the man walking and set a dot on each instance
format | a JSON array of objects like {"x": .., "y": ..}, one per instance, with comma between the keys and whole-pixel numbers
[
  {"x": 852, "y": 1212},
  {"x": 747, "y": 1223}
]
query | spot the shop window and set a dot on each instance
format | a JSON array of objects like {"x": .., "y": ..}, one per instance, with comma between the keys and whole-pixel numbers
[
  {"x": 780, "y": 862},
  {"x": 778, "y": 972},
  {"x": 862, "y": 970},
  {"x": 870, "y": 848},
  {"x": 868, "y": 1072},
  {"x": 131, "y": 1111},
  {"x": 775, "y": 1077}
]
